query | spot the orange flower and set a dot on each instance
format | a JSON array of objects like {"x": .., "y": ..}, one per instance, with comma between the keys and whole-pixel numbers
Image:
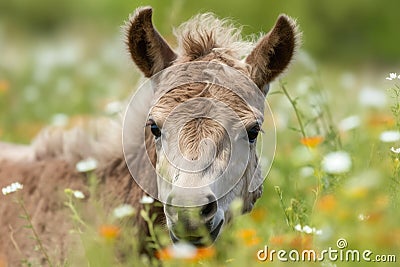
[
  {"x": 327, "y": 203},
  {"x": 109, "y": 231},
  {"x": 164, "y": 254},
  {"x": 4, "y": 86},
  {"x": 277, "y": 240},
  {"x": 249, "y": 237},
  {"x": 258, "y": 214},
  {"x": 311, "y": 141},
  {"x": 301, "y": 242},
  {"x": 381, "y": 120},
  {"x": 204, "y": 253},
  {"x": 185, "y": 253}
]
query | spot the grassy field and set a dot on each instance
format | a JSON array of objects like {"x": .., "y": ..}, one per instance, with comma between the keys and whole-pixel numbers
[{"x": 335, "y": 177}]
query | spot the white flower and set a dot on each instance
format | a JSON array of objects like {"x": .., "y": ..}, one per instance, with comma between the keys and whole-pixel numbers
[
  {"x": 395, "y": 150},
  {"x": 113, "y": 107},
  {"x": 336, "y": 162},
  {"x": 349, "y": 123},
  {"x": 363, "y": 217},
  {"x": 78, "y": 194},
  {"x": 307, "y": 171},
  {"x": 86, "y": 165},
  {"x": 146, "y": 200},
  {"x": 348, "y": 80},
  {"x": 371, "y": 97},
  {"x": 59, "y": 119},
  {"x": 14, "y": 187},
  {"x": 392, "y": 76},
  {"x": 390, "y": 136},
  {"x": 307, "y": 229},
  {"x": 183, "y": 250},
  {"x": 123, "y": 210}
]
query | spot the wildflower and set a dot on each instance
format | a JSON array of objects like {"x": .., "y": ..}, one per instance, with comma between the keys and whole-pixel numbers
[
  {"x": 336, "y": 162},
  {"x": 277, "y": 240},
  {"x": 381, "y": 120},
  {"x": 249, "y": 237},
  {"x": 185, "y": 251},
  {"x": 363, "y": 217},
  {"x": 258, "y": 214},
  {"x": 301, "y": 242},
  {"x": 78, "y": 194},
  {"x": 123, "y": 210},
  {"x": 390, "y": 136},
  {"x": 349, "y": 123},
  {"x": 4, "y": 86},
  {"x": 306, "y": 171},
  {"x": 59, "y": 120},
  {"x": 86, "y": 165},
  {"x": 312, "y": 141},
  {"x": 348, "y": 80},
  {"x": 14, "y": 187},
  {"x": 307, "y": 229},
  {"x": 392, "y": 76},
  {"x": 146, "y": 200},
  {"x": 395, "y": 150},
  {"x": 113, "y": 107},
  {"x": 371, "y": 97},
  {"x": 327, "y": 203},
  {"x": 109, "y": 231}
]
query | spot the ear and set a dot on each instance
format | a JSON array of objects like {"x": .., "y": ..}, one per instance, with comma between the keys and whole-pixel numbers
[
  {"x": 148, "y": 49},
  {"x": 273, "y": 52}
]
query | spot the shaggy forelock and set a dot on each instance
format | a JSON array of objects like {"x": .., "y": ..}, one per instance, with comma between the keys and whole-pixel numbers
[{"x": 205, "y": 33}]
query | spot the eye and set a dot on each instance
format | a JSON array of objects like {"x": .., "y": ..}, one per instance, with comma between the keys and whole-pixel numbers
[
  {"x": 252, "y": 133},
  {"x": 154, "y": 128}
]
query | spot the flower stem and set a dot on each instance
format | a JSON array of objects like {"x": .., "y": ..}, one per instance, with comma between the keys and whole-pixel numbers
[
  {"x": 294, "y": 105},
  {"x": 35, "y": 234}
]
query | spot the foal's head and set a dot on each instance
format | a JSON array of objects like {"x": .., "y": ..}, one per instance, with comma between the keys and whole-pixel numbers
[{"x": 205, "y": 116}]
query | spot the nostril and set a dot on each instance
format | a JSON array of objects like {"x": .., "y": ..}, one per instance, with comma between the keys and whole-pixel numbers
[{"x": 208, "y": 211}]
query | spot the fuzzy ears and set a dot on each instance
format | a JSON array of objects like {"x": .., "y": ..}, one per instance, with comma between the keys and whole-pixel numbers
[
  {"x": 273, "y": 52},
  {"x": 148, "y": 49}
]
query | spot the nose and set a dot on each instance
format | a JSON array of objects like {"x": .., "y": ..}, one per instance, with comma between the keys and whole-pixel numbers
[
  {"x": 208, "y": 210},
  {"x": 202, "y": 206}
]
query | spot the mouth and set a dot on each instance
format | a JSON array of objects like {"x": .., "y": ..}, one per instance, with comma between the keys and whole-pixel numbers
[{"x": 199, "y": 241}]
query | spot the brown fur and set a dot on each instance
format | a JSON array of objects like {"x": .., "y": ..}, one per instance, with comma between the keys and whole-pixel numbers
[{"x": 47, "y": 167}]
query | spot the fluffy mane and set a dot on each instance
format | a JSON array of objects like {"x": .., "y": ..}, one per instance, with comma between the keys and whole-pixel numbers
[{"x": 205, "y": 33}]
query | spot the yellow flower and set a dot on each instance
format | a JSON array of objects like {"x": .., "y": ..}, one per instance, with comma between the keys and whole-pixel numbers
[
  {"x": 109, "y": 231},
  {"x": 311, "y": 141}
]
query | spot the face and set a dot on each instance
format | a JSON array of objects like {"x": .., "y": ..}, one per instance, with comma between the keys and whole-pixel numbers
[
  {"x": 204, "y": 135},
  {"x": 205, "y": 139}
]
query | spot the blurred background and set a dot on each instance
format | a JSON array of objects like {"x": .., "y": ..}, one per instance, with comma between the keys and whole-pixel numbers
[
  {"x": 62, "y": 58},
  {"x": 64, "y": 62}
]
